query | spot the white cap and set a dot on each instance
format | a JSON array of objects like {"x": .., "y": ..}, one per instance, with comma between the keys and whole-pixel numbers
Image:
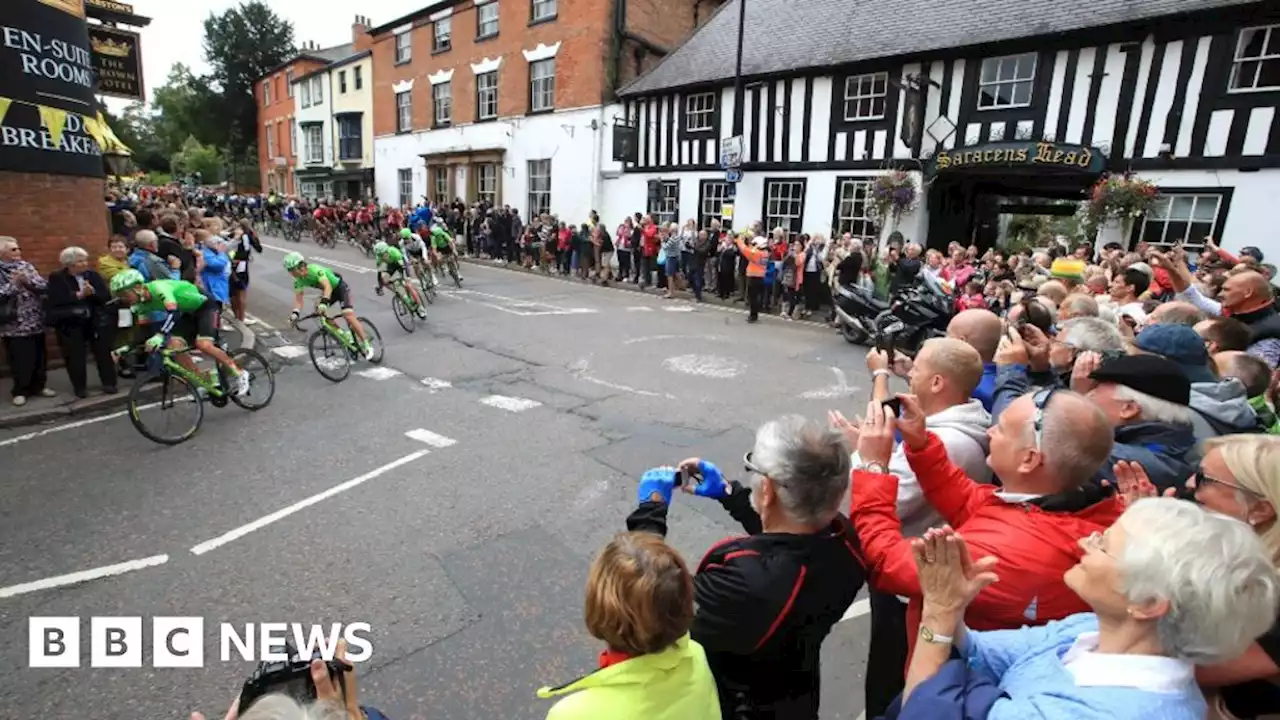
[{"x": 760, "y": 243}]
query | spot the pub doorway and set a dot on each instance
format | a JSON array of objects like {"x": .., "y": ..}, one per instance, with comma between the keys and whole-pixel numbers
[{"x": 974, "y": 193}]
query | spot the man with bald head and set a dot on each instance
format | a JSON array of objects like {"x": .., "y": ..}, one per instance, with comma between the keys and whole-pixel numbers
[
  {"x": 982, "y": 330},
  {"x": 1177, "y": 312},
  {"x": 1246, "y": 296}
]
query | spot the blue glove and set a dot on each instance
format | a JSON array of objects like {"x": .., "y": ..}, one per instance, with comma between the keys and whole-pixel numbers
[
  {"x": 661, "y": 480},
  {"x": 713, "y": 484}
]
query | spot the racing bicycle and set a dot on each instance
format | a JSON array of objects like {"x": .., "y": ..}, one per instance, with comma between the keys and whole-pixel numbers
[
  {"x": 333, "y": 349},
  {"x": 425, "y": 280},
  {"x": 403, "y": 305},
  {"x": 182, "y": 393},
  {"x": 451, "y": 263}
]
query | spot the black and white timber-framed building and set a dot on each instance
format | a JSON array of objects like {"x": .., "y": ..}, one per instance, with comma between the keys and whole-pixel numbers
[{"x": 983, "y": 100}]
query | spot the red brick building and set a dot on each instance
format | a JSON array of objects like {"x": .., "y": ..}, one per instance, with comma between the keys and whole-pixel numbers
[{"x": 507, "y": 100}]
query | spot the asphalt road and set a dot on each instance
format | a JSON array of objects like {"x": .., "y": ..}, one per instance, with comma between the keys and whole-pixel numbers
[{"x": 465, "y": 547}]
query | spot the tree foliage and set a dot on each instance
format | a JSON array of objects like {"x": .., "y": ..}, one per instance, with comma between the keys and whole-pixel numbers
[
  {"x": 196, "y": 157},
  {"x": 242, "y": 45}
]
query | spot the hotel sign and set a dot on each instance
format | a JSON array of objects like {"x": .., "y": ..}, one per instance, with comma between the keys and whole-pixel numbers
[
  {"x": 1019, "y": 155},
  {"x": 117, "y": 58},
  {"x": 115, "y": 7}
]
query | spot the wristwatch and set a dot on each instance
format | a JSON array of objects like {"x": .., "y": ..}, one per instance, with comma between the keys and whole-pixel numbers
[
  {"x": 874, "y": 467},
  {"x": 877, "y": 373},
  {"x": 930, "y": 636}
]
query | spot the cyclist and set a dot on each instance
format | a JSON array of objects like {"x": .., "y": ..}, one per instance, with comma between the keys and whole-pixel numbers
[
  {"x": 413, "y": 245},
  {"x": 182, "y": 304},
  {"x": 391, "y": 265},
  {"x": 443, "y": 249},
  {"x": 332, "y": 289}
]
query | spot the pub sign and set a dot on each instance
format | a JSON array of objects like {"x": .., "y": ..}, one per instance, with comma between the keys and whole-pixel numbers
[
  {"x": 48, "y": 113},
  {"x": 1030, "y": 155},
  {"x": 117, "y": 56}
]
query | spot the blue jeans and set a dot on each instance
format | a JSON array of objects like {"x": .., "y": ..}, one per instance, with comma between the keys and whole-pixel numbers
[{"x": 697, "y": 277}]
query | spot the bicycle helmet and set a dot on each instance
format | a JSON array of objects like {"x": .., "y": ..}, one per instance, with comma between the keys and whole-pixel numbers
[
  {"x": 293, "y": 260},
  {"x": 405, "y": 233},
  {"x": 380, "y": 248},
  {"x": 125, "y": 280}
]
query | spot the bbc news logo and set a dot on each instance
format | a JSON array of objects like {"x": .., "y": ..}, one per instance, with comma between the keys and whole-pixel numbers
[{"x": 178, "y": 642}]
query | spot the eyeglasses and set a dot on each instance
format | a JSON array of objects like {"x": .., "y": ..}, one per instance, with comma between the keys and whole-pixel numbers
[
  {"x": 1096, "y": 542},
  {"x": 1202, "y": 480},
  {"x": 750, "y": 466},
  {"x": 1041, "y": 401}
]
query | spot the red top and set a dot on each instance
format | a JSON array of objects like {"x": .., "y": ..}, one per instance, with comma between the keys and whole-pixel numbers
[
  {"x": 612, "y": 657},
  {"x": 650, "y": 234}
]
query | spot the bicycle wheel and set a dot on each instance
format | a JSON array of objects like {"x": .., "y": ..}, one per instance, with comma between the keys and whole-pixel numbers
[
  {"x": 428, "y": 287},
  {"x": 373, "y": 336},
  {"x": 262, "y": 381},
  {"x": 401, "y": 310},
  {"x": 172, "y": 419},
  {"x": 453, "y": 271},
  {"x": 330, "y": 356}
]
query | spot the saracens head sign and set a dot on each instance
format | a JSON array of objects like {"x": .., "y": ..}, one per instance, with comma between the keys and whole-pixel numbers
[
  {"x": 47, "y": 83},
  {"x": 1030, "y": 155}
]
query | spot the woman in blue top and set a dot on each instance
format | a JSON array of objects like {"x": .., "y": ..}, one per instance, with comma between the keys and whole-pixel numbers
[{"x": 1171, "y": 585}]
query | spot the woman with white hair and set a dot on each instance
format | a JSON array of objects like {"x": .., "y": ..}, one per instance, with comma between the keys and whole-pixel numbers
[
  {"x": 22, "y": 322},
  {"x": 672, "y": 244},
  {"x": 77, "y": 311},
  {"x": 1171, "y": 586},
  {"x": 767, "y": 600}
]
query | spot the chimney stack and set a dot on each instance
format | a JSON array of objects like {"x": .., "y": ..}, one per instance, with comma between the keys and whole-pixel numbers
[{"x": 360, "y": 36}]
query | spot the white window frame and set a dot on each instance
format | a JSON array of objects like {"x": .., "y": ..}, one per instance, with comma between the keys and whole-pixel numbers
[
  {"x": 442, "y": 103},
  {"x": 442, "y": 41},
  {"x": 712, "y": 195},
  {"x": 317, "y": 90},
  {"x": 483, "y": 19},
  {"x": 862, "y": 98},
  {"x": 542, "y": 86},
  {"x": 404, "y": 47},
  {"x": 404, "y": 111},
  {"x": 271, "y": 140},
  {"x": 288, "y": 81},
  {"x": 1175, "y": 229},
  {"x": 440, "y": 184},
  {"x": 357, "y": 78},
  {"x": 404, "y": 178},
  {"x": 1270, "y": 35},
  {"x": 667, "y": 208},
  {"x": 353, "y": 124},
  {"x": 542, "y": 10},
  {"x": 539, "y": 187},
  {"x": 266, "y": 92},
  {"x": 699, "y": 112},
  {"x": 782, "y": 207},
  {"x": 487, "y": 183},
  {"x": 293, "y": 137},
  {"x": 314, "y": 136},
  {"x": 481, "y": 92},
  {"x": 852, "y": 195},
  {"x": 1012, "y": 82},
  {"x": 305, "y": 85}
]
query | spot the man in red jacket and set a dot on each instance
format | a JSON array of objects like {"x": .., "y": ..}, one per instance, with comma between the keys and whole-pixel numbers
[{"x": 1045, "y": 448}]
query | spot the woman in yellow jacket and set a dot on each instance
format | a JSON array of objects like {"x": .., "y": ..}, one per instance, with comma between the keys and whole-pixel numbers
[{"x": 640, "y": 604}]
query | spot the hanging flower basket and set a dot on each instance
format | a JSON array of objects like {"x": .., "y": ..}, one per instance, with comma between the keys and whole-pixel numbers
[
  {"x": 1118, "y": 197},
  {"x": 893, "y": 194}
]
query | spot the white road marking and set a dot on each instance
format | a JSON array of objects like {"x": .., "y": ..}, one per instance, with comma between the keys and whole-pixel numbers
[
  {"x": 510, "y": 404},
  {"x": 842, "y": 388},
  {"x": 433, "y": 439},
  {"x": 266, "y": 520},
  {"x": 640, "y": 308},
  {"x": 328, "y": 262},
  {"x": 714, "y": 366},
  {"x": 652, "y": 338},
  {"x": 862, "y": 715},
  {"x": 856, "y": 610},
  {"x": 516, "y": 306},
  {"x": 678, "y": 308},
  {"x": 624, "y": 388},
  {"x": 71, "y": 425},
  {"x": 379, "y": 372},
  {"x": 251, "y": 319},
  {"x": 436, "y": 384},
  {"x": 289, "y": 352},
  {"x": 76, "y": 578}
]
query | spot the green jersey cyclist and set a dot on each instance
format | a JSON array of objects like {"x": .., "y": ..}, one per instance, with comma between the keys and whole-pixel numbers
[
  {"x": 187, "y": 310},
  {"x": 442, "y": 247},
  {"x": 391, "y": 266},
  {"x": 332, "y": 289}
]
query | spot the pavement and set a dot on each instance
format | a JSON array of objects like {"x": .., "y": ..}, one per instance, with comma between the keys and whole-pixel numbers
[{"x": 451, "y": 497}]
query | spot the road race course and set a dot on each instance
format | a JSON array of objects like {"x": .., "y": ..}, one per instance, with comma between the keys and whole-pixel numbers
[{"x": 451, "y": 497}]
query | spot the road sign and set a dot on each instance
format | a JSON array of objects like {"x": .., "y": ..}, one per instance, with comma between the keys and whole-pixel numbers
[
  {"x": 731, "y": 152},
  {"x": 733, "y": 175}
]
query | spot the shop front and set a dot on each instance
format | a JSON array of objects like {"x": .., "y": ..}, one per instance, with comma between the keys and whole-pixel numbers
[{"x": 970, "y": 188}]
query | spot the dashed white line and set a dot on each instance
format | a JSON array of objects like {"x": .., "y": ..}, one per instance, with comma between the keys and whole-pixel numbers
[
  {"x": 379, "y": 373},
  {"x": 70, "y": 426},
  {"x": 436, "y": 384},
  {"x": 324, "y": 260},
  {"x": 290, "y": 352},
  {"x": 640, "y": 308},
  {"x": 435, "y": 440},
  {"x": 264, "y": 521},
  {"x": 678, "y": 308},
  {"x": 76, "y": 578},
  {"x": 510, "y": 404}
]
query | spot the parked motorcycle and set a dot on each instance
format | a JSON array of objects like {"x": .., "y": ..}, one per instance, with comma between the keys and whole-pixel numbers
[
  {"x": 857, "y": 309},
  {"x": 916, "y": 313}
]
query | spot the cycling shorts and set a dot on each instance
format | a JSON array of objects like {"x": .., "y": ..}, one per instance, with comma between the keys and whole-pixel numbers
[
  {"x": 341, "y": 295},
  {"x": 445, "y": 250},
  {"x": 394, "y": 271},
  {"x": 203, "y": 322}
]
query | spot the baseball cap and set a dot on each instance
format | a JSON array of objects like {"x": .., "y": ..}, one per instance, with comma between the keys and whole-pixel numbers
[
  {"x": 1148, "y": 374},
  {"x": 1252, "y": 252},
  {"x": 1181, "y": 344},
  {"x": 1068, "y": 268}
]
